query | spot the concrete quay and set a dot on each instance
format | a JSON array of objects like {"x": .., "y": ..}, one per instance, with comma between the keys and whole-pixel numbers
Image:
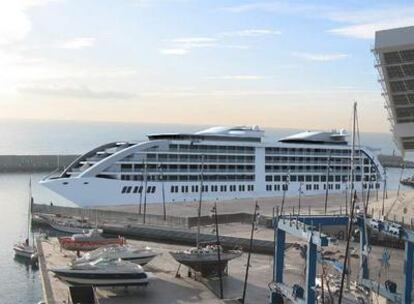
[{"x": 164, "y": 287}]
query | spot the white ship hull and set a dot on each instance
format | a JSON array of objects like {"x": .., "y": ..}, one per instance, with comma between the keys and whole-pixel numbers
[
  {"x": 237, "y": 165},
  {"x": 99, "y": 192}
]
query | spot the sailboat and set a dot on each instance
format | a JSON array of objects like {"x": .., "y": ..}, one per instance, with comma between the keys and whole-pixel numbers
[
  {"x": 208, "y": 258},
  {"x": 25, "y": 249}
]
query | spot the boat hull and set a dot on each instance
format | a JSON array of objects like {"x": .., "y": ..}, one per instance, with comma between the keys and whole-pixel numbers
[
  {"x": 102, "y": 279},
  {"x": 68, "y": 243},
  {"x": 207, "y": 265}
]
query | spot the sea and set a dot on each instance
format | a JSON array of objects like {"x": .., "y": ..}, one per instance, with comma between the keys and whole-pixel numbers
[{"x": 19, "y": 282}]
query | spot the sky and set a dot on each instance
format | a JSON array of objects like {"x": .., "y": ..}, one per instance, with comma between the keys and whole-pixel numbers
[{"x": 284, "y": 64}]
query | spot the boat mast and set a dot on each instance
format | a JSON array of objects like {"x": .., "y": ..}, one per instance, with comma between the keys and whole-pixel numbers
[
  {"x": 347, "y": 265},
  {"x": 29, "y": 211},
  {"x": 200, "y": 199},
  {"x": 145, "y": 189},
  {"x": 161, "y": 176},
  {"x": 328, "y": 168}
]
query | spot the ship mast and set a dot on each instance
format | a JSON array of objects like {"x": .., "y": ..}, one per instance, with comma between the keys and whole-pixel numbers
[{"x": 199, "y": 200}]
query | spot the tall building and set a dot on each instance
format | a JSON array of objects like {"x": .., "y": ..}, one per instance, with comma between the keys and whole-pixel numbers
[{"x": 394, "y": 52}]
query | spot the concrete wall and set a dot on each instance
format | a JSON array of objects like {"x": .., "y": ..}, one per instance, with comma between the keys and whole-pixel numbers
[
  {"x": 30, "y": 163},
  {"x": 105, "y": 216}
]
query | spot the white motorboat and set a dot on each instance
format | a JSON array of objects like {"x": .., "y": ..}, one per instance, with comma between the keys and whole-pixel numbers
[
  {"x": 140, "y": 256},
  {"x": 103, "y": 272}
]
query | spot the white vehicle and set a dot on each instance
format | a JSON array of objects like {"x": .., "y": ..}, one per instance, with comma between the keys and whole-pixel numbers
[{"x": 230, "y": 163}]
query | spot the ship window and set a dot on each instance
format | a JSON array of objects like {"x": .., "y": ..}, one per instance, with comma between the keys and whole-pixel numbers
[
  {"x": 285, "y": 187},
  {"x": 337, "y": 178},
  {"x": 293, "y": 178},
  {"x": 223, "y": 188},
  {"x": 65, "y": 183},
  {"x": 128, "y": 190},
  {"x": 277, "y": 187},
  {"x": 268, "y": 178},
  {"x": 337, "y": 186},
  {"x": 276, "y": 178},
  {"x": 241, "y": 188},
  {"x": 315, "y": 187},
  {"x": 268, "y": 187},
  {"x": 124, "y": 189},
  {"x": 308, "y": 178},
  {"x": 308, "y": 187},
  {"x": 316, "y": 178},
  {"x": 136, "y": 189},
  {"x": 301, "y": 178},
  {"x": 330, "y": 186}
]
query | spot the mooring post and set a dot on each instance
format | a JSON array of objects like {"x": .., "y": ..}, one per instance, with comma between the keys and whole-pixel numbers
[
  {"x": 310, "y": 272},
  {"x": 408, "y": 272},
  {"x": 279, "y": 255}
]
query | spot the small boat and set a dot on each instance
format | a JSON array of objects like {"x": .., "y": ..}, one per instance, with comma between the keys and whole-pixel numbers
[
  {"x": 115, "y": 252},
  {"x": 103, "y": 272},
  {"x": 204, "y": 258},
  {"x": 68, "y": 227},
  {"x": 88, "y": 241},
  {"x": 25, "y": 249}
]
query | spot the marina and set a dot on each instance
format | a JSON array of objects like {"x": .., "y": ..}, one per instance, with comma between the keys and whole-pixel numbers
[{"x": 231, "y": 153}]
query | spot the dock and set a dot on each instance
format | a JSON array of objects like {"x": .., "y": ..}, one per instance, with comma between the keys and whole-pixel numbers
[{"x": 164, "y": 286}]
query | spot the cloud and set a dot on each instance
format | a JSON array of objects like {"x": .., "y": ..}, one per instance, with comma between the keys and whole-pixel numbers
[
  {"x": 237, "y": 77},
  {"x": 14, "y": 22},
  {"x": 320, "y": 57},
  {"x": 360, "y": 23},
  {"x": 177, "y": 51},
  {"x": 74, "y": 92},
  {"x": 250, "y": 33},
  {"x": 183, "y": 46},
  {"x": 77, "y": 43}
]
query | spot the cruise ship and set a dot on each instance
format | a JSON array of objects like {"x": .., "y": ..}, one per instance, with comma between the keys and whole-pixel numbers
[{"x": 222, "y": 163}]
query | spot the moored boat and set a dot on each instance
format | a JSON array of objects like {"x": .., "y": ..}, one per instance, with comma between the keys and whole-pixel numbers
[
  {"x": 103, "y": 273},
  {"x": 140, "y": 256},
  {"x": 91, "y": 240},
  {"x": 25, "y": 250}
]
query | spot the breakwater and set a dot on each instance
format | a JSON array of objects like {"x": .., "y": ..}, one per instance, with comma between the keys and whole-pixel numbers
[{"x": 34, "y": 163}]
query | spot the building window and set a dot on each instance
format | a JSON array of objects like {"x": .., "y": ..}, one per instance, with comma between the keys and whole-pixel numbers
[
  {"x": 337, "y": 186},
  {"x": 268, "y": 187},
  {"x": 223, "y": 188},
  {"x": 308, "y": 187},
  {"x": 285, "y": 187},
  {"x": 315, "y": 187}
]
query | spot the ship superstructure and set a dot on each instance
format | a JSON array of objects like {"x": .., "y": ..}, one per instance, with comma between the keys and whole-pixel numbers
[{"x": 224, "y": 163}]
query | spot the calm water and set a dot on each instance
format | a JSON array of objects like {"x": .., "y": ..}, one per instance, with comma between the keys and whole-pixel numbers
[{"x": 20, "y": 283}]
